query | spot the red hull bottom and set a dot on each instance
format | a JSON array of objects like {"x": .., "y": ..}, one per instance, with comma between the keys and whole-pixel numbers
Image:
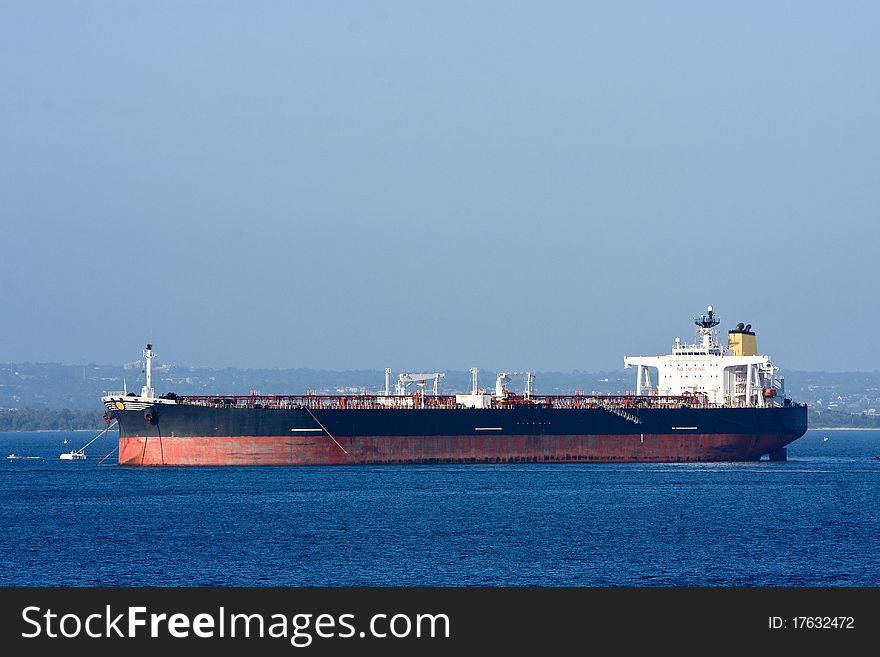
[{"x": 322, "y": 450}]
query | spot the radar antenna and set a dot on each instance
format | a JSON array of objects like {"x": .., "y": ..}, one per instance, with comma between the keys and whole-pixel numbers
[{"x": 708, "y": 320}]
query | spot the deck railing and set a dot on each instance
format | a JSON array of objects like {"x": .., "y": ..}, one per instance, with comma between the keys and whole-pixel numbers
[{"x": 415, "y": 401}]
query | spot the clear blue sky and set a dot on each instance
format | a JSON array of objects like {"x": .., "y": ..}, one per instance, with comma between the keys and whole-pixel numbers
[{"x": 347, "y": 185}]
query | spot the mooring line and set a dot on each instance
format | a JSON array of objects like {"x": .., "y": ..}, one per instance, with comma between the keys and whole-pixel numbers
[
  {"x": 309, "y": 411},
  {"x": 106, "y": 456},
  {"x": 83, "y": 448}
]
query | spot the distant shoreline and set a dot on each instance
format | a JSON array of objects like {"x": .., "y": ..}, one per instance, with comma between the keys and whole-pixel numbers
[
  {"x": 98, "y": 429},
  {"x": 47, "y": 430},
  {"x": 95, "y": 430}
]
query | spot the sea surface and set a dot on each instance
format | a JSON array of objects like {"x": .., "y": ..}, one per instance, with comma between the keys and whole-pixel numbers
[{"x": 812, "y": 521}]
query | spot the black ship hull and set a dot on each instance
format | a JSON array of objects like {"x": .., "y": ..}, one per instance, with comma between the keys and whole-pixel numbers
[{"x": 193, "y": 434}]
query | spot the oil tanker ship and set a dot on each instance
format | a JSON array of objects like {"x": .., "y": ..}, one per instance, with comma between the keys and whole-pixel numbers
[{"x": 702, "y": 402}]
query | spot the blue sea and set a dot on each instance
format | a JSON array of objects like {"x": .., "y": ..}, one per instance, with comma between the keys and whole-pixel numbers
[{"x": 812, "y": 521}]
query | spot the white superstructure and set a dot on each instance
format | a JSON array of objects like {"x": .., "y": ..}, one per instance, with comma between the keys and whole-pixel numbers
[{"x": 732, "y": 376}]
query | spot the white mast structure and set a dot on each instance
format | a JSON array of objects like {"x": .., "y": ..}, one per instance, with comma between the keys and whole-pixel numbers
[
  {"x": 736, "y": 376},
  {"x": 147, "y": 391},
  {"x": 477, "y": 397},
  {"x": 122, "y": 400}
]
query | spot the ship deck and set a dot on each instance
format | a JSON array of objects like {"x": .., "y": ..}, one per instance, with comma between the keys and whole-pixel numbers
[{"x": 321, "y": 402}]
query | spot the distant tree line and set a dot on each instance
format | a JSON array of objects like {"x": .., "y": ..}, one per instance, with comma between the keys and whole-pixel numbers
[
  {"x": 47, "y": 419},
  {"x": 825, "y": 419}
]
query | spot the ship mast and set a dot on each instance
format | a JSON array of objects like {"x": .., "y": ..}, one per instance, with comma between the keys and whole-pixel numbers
[
  {"x": 147, "y": 391},
  {"x": 706, "y": 323}
]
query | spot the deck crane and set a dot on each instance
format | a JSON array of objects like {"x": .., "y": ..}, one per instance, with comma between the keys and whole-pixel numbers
[
  {"x": 506, "y": 377},
  {"x": 405, "y": 378}
]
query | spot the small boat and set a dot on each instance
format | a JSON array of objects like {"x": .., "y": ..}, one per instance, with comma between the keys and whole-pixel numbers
[
  {"x": 80, "y": 454},
  {"x": 19, "y": 456}
]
